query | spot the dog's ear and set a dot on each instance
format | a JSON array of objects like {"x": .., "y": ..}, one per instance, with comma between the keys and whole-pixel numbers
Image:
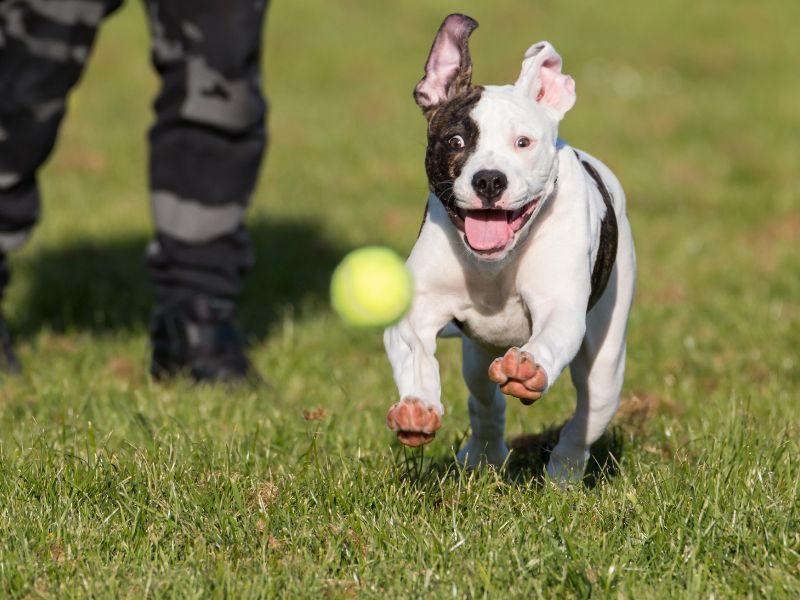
[
  {"x": 541, "y": 78},
  {"x": 448, "y": 71}
]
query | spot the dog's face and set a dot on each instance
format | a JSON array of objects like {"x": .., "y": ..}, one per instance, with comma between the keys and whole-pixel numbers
[{"x": 491, "y": 157}]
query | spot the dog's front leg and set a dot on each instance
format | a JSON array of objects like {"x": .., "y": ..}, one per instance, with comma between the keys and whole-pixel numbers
[
  {"x": 527, "y": 372},
  {"x": 411, "y": 347}
]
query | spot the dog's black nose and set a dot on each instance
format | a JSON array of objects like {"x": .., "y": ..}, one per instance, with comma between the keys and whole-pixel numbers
[{"x": 489, "y": 184}]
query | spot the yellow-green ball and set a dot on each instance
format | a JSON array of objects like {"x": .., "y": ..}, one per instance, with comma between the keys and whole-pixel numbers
[{"x": 372, "y": 287}]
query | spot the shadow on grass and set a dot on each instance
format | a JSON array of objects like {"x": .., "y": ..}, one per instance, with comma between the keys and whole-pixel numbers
[
  {"x": 103, "y": 285},
  {"x": 526, "y": 463},
  {"x": 530, "y": 453}
]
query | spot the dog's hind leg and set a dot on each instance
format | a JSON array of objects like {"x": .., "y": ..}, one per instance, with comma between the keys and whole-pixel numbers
[
  {"x": 597, "y": 373},
  {"x": 487, "y": 410}
]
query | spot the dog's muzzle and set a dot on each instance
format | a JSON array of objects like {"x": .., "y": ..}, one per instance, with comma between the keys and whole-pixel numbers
[{"x": 492, "y": 230}]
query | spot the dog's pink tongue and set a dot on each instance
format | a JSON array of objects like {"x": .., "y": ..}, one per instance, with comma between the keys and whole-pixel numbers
[{"x": 487, "y": 229}]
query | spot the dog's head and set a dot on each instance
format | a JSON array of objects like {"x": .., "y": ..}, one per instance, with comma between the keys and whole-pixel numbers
[{"x": 491, "y": 156}]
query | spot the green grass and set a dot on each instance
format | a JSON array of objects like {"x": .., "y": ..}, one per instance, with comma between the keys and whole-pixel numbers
[{"x": 112, "y": 486}]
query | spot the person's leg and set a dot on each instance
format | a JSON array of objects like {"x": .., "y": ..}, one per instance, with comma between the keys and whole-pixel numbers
[
  {"x": 205, "y": 152},
  {"x": 44, "y": 45}
]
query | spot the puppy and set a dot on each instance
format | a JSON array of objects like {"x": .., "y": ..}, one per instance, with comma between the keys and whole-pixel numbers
[{"x": 525, "y": 253}]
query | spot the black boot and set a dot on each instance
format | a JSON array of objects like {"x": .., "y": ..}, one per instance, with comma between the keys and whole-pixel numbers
[
  {"x": 199, "y": 337},
  {"x": 8, "y": 358}
]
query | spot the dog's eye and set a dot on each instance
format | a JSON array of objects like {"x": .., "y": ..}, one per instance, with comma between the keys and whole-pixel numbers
[
  {"x": 456, "y": 142},
  {"x": 523, "y": 142}
]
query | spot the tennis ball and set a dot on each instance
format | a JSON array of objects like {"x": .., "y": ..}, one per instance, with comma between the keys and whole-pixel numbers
[{"x": 371, "y": 287}]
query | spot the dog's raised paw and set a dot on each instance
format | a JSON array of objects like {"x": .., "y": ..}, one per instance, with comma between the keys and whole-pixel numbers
[
  {"x": 518, "y": 375},
  {"x": 415, "y": 423}
]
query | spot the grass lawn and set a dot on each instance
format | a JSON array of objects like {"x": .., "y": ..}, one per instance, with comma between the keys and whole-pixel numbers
[{"x": 113, "y": 486}]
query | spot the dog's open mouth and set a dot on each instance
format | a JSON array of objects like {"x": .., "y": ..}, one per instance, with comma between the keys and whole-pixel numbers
[{"x": 489, "y": 231}]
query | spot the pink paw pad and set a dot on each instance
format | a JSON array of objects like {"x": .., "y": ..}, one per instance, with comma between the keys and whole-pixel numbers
[
  {"x": 518, "y": 375},
  {"x": 415, "y": 423}
]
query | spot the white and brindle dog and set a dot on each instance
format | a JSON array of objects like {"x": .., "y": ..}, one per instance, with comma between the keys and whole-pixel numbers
[{"x": 525, "y": 252}]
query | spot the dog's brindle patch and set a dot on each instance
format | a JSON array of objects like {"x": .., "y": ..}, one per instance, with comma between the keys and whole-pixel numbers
[
  {"x": 609, "y": 235},
  {"x": 443, "y": 164}
]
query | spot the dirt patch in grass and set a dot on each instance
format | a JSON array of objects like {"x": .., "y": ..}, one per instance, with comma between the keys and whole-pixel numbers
[
  {"x": 314, "y": 414},
  {"x": 773, "y": 239}
]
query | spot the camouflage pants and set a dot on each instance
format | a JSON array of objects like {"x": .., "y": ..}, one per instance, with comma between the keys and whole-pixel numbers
[{"x": 205, "y": 146}]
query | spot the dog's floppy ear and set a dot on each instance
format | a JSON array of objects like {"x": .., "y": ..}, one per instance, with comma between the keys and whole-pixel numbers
[
  {"x": 448, "y": 71},
  {"x": 542, "y": 79}
]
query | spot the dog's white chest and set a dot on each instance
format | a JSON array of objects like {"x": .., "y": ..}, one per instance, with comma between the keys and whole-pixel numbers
[{"x": 497, "y": 326}]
